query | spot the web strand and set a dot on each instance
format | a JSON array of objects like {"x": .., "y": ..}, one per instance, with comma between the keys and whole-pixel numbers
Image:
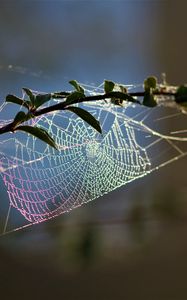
[{"x": 43, "y": 183}]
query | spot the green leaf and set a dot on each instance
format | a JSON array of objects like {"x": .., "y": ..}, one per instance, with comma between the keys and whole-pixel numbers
[
  {"x": 122, "y": 88},
  {"x": 73, "y": 97},
  {"x": 149, "y": 100},
  {"x": 39, "y": 133},
  {"x": 30, "y": 95},
  {"x": 150, "y": 83},
  {"x": 20, "y": 117},
  {"x": 75, "y": 84},
  {"x": 108, "y": 86},
  {"x": 16, "y": 100},
  {"x": 41, "y": 99},
  {"x": 86, "y": 116},
  {"x": 181, "y": 95}
]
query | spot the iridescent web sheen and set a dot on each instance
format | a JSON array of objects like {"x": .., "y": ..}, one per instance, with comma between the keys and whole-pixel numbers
[{"x": 43, "y": 183}]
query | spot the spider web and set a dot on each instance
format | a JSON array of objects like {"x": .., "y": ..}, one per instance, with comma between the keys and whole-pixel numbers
[{"x": 43, "y": 183}]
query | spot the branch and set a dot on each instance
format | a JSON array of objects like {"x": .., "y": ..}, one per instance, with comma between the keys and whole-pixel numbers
[{"x": 115, "y": 92}]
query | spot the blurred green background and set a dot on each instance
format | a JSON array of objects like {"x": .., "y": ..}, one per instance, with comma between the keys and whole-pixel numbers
[{"x": 132, "y": 243}]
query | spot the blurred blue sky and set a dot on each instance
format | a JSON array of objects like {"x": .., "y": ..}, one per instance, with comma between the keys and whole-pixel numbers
[{"x": 86, "y": 40}]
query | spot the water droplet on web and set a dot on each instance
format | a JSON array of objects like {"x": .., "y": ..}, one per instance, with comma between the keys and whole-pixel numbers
[{"x": 43, "y": 183}]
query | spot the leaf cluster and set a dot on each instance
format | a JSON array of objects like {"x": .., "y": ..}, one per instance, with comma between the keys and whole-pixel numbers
[
  {"x": 116, "y": 93},
  {"x": 33, "y": 102}
]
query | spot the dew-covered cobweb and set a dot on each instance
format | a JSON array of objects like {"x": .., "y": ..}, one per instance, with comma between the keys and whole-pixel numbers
[{"x": 42, "y": 183}]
